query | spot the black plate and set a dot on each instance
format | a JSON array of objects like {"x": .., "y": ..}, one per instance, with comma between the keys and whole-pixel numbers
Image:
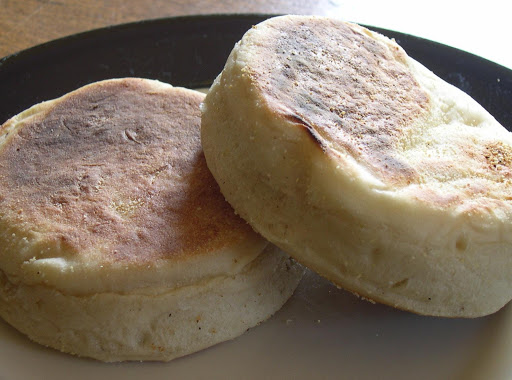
[{"x": 191, "y": 51}]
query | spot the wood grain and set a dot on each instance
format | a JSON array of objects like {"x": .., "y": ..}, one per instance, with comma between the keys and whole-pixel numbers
[{"x": 30, "y": 22}]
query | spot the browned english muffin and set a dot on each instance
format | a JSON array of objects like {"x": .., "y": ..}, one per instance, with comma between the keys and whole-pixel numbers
[
  {"x": 362, "y": 164},
  {"x": 115, "y": 242}
]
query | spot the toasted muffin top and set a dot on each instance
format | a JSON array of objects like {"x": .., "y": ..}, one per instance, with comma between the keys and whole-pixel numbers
[
  {"x": 348, "y": 90},
  {"x": 368, "y": 105},
  {"x": 112, "y": 175}
]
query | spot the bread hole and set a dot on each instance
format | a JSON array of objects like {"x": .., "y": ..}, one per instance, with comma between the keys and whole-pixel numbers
[
  {"x": 376, "y": 255},
  {"x": 461, "y": 244},
  {"x": 145, "y": 339},
  {"x": 400, "y": 284}
]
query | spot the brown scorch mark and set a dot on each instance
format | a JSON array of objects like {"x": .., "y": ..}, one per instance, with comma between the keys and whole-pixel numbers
[
  {"x": 118, "y": 165},
  {"x": 352, "y": 92}
]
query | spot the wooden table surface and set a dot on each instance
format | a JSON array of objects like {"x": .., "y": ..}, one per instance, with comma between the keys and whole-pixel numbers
[
  {"x": 25, "y": 23},
  {"x": 481, "y": 29}
]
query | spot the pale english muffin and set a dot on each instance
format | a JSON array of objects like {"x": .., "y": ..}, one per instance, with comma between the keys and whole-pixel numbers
[
  {"x": 363, "y": 165},
  {"x": 115, "y": 242}
]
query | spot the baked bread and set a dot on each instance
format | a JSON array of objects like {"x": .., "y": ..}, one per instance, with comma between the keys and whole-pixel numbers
[
  {"x": 115, "y": 242},
  {"x": 364, "y": 166}
]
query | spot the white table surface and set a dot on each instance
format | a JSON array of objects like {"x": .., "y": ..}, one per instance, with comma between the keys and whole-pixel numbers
[{"x": 479, "y": 27}]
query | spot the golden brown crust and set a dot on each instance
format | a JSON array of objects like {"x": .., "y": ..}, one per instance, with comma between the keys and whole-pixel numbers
[
  {"x": 320, "y": 73},
  {"x": 498, "y": 157},
  {"x": 117, "y": 166}
]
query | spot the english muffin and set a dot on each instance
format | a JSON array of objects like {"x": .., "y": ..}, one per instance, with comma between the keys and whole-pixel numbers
[
  {"x": 115, "y": 242},
  {"x": 362, "y": 164}
]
